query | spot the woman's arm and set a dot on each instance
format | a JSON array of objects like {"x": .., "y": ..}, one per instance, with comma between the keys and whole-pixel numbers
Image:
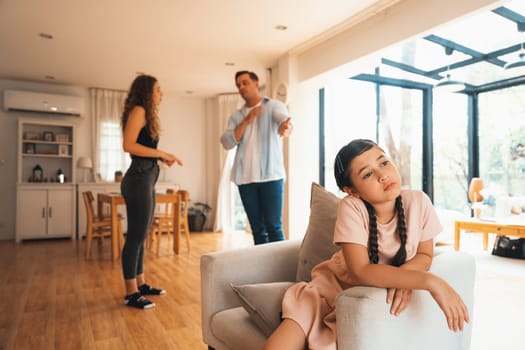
[
  {"x": 136, "y": 121},
  {"x": 407, "y": 277}
]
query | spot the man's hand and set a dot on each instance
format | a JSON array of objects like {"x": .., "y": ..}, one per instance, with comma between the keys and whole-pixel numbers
[
  {"x": 286, "y": 127},
  {"x": 254, "y": 113}
]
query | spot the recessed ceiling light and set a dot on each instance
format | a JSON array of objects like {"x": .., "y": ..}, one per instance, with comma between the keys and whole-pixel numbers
[
  {"x": 229, "y": 64},
  {"x": 45, "y": 36},
  {"x": 280, "y": 27}
]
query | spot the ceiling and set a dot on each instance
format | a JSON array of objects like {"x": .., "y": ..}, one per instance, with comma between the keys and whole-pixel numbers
[
  {"x": 473, "y": 50},
  {"x": 184, "y": 43}
]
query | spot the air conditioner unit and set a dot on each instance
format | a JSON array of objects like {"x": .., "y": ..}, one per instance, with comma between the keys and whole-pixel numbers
[{"x": 27, "y": 101}]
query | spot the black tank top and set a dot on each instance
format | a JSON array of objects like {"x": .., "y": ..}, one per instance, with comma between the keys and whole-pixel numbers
[{"x": 146, "y": 140}]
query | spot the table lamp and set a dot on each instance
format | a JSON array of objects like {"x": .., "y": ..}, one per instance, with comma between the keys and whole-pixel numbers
[
  {"x": 475, "y": 196},
  {"x": 84, "y": 163}
]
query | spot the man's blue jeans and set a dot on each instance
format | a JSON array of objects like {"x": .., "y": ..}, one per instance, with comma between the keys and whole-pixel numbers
[{"x": 263, "y": 204}]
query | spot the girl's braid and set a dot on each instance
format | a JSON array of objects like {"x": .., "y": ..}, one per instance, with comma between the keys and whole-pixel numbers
[
  {"x": 373, "y": 250},
  {"x": 401, "y": 255}
]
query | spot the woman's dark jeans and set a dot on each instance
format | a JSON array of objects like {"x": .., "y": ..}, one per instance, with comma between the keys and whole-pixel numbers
[
  {"x": 138, "y": 189},
  {"x": 263, "y": 204}
]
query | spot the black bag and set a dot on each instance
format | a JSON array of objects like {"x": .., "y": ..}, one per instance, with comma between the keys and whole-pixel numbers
[{"x": 509, "y": 248}]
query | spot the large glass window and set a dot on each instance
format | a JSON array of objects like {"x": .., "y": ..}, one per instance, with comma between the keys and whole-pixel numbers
[
  {"x": 502, "y": 144},
  {"x": 450, "y": 151},
  {"x": 400, "y": 131},
  {"x": 350, "y": 113},
  {"x": 352, "y": 110}
]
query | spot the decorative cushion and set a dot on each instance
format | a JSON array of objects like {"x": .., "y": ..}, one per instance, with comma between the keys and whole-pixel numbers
[
  {"x": 263, "y": 302},
  {"x": 317, "y": 243}
]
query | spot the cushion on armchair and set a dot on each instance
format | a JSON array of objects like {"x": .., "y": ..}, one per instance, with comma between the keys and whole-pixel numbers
[
  {"x": 317, "y": 243},
  {"x": 263, "y": 302}
]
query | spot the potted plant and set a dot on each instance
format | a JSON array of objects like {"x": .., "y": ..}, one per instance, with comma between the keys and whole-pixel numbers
[{"x": 197, "y": 214}]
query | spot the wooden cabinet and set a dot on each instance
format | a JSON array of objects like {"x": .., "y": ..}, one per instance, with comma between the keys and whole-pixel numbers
[
  {"x": 45, "y": 207},
  {"x": 45, "y": 211}
]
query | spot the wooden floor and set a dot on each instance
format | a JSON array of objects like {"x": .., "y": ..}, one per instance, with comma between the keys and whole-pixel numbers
[{"x": 53, "y": 298}]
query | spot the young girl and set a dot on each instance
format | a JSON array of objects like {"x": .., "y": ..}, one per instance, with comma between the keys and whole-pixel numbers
[
  {"x": 386, "y": 238},
  {"x": 140, "y": 124}
]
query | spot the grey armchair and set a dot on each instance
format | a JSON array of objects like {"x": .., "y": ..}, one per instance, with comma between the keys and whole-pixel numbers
[{"x": 363, "y": 321}]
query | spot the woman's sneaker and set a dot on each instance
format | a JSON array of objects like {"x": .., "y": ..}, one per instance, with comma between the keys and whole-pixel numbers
[
  {"x": 138, "y": 301},
  {"x": 146, "y": 289}
]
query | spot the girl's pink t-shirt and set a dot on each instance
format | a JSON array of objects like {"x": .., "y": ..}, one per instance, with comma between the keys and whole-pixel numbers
[{"x": 352, "y": 225}]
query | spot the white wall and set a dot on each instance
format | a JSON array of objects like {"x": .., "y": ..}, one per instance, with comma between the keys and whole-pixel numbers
[{"x": 182, "y": 121}]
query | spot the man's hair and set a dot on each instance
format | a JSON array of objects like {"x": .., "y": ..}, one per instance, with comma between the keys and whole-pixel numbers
[{"x": 252, "y": 75}]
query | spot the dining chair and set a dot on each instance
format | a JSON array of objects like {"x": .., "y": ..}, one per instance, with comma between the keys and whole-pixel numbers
[
  {"x": 184, "y": 199},
  {"x": 163, "y": 220},
  {"x": 98, "y": 226}
]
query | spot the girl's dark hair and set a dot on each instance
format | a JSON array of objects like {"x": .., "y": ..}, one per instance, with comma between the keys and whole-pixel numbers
[
  {"x": 342, "y": 178},
  {"x": 141, "y": 94}
]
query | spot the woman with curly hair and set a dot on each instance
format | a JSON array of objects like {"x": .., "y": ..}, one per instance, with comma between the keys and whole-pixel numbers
[{"x": 141, "y": 129}]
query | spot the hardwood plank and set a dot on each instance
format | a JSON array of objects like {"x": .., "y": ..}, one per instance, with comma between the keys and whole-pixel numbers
[{"x": 54, "y": 298}]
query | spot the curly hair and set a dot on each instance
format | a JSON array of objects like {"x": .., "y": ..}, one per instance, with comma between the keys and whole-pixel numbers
[
  {"x": 342, "y": 177},
  {"x": 141, "y": 94}
]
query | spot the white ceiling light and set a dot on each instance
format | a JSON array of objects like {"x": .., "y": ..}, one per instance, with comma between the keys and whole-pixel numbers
[
  {"x": 517, "y": 67},
  {"x": 447, "y": 83}
]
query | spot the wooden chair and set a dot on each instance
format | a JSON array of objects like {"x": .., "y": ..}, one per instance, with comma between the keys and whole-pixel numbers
[
  {"x": 98, "y": 226},
  {"x": 163, "y": 220},
  {"x": 184, "y": 198}
]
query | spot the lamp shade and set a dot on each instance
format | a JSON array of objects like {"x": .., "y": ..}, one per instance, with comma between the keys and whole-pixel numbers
[
  {"x": 84, "y": 163},
  {"x": 474, "y": 190},
  {"x": 516, "y": 68},
  {"x": 447, "y": 84}
]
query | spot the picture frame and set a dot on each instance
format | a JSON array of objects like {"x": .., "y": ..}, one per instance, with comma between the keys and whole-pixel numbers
[
  {"x": 63, "y": 150},
  {"x": 29, "y": 148},
  {"x": 62, "y": 138},
  {"x": 48, "y": 136},
  {"x": 32, "y": 136}
]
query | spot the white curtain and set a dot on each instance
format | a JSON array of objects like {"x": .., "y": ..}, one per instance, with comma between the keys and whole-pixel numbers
[
  {"x": 226, "y": 105},
  {"x": 106, "y": 109}
]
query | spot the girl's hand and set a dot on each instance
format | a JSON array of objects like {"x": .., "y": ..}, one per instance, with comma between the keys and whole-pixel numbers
[
  {"x": 399, "y": 300},
  {"x": 451, "y": 304},
  {"x": 169, "y": 159}
]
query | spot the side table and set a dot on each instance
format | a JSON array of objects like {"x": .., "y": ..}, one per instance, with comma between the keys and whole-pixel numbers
[{"x": 486, "y": 227}]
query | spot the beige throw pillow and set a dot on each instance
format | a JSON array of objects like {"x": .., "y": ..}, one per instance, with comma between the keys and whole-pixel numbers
[
  {"x": 263, "y": 302},
  {"x": 317, "y": 243}
]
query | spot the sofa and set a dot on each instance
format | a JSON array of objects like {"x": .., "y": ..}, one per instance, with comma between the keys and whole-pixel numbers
[{"x": 242, "y": 289}]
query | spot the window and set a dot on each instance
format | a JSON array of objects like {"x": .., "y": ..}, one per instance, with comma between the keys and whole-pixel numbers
[
  {"x": 351, "y": 112},
  {"x": 450, "y": 151},
  {"x": 502, "y": 140},
  {"x": 111, "y": 155}
]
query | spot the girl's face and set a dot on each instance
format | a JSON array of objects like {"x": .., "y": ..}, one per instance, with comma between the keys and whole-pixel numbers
[
  {"x": 374, "y": 177},
  {"x": 157, "y": 94}
]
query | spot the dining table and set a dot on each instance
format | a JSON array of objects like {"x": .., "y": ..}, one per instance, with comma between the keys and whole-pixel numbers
[{"x": 114, "y": 199}]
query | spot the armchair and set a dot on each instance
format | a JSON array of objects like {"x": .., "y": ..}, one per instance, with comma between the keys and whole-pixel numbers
[
  {"x": 241, "y": 301},
  {"x": 363, "y": 321}
]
